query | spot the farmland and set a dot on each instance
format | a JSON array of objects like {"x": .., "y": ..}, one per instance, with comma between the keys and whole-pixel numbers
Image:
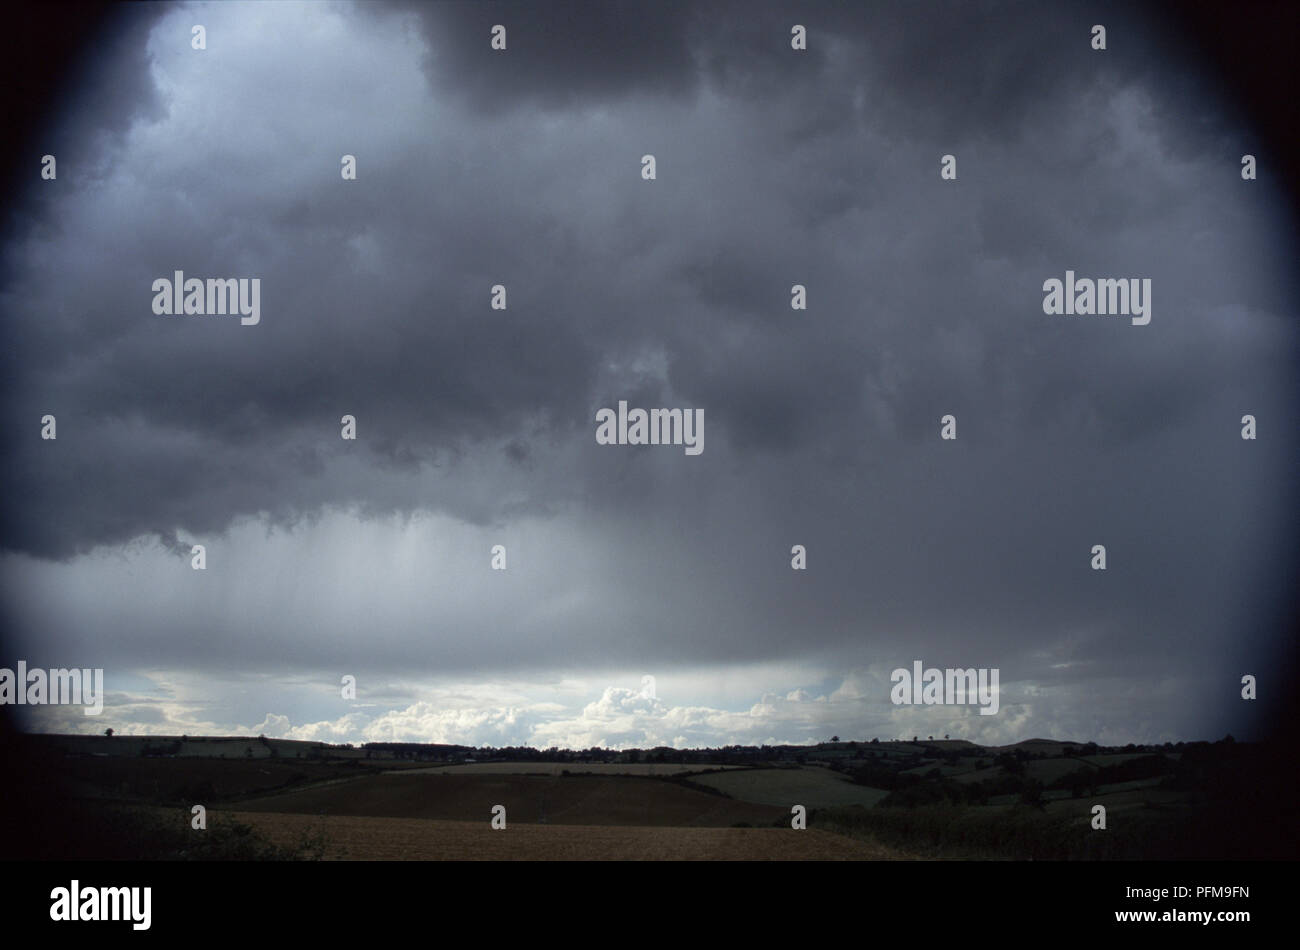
[
  {"x": 407, "y": 839},
  {"x": 568, "y": 768},
  {"x": 811, "y": 787},
  {"x": 132, "y": 798},
  {"x": 528, "y": 799}
]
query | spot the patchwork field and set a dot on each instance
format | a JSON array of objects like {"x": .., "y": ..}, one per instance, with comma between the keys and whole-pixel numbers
[
  {"x": 71, "y": 797},
  {"x": 408, "y": 839},
  {"x": 1121, "y": 798}
]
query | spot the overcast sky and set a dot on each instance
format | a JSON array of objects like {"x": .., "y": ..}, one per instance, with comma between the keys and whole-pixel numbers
[{"x": 476, "y": 427}]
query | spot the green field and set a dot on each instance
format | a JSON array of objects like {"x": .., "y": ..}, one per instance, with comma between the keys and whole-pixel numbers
[{"x": 809, "y": 786}]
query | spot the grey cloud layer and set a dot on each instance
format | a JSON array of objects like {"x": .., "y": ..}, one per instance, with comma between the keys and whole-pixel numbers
[{"x": 821, "y": 427}]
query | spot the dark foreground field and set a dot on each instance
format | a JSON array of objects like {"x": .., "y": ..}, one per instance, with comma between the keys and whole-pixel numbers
[
  {"x": 528, "y": 800},
  {"x": 930, "y": 800},
  {"x": 415, "y": 839}
]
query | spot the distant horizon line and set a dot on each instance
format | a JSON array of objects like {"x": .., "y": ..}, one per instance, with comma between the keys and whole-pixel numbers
[{"x": 659, "y": 748}]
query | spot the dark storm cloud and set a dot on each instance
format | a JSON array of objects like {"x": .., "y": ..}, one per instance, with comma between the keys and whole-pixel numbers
[
  {"x": 558, "y": 55},
  {"x": 110, "y": 85},
  {"x": 774, "y": 168},
  {"x": 413, "y": 356},
  {"x": 76, "y": 75}
]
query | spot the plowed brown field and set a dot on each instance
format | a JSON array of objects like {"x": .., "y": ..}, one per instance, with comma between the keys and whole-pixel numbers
[
  {"x": 414, "y": 839},
  {"x": 528, "y": 799}
]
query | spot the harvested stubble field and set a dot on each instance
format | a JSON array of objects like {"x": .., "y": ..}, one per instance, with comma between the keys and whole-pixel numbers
[{"x": 390, "y": 839}]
